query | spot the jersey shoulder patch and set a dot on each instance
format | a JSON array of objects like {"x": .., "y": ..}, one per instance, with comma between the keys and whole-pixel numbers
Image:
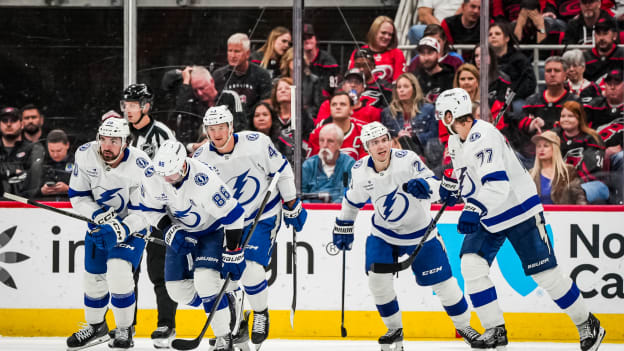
[
  {"x": 358, "y": 164},
  {"x": 84, "y": 147},
  {"x": 149, "y": 171},
  {"x": 201, "y": 179},
  {"x": 474, "y": 136},
  {"x": 142, "y": 162},
  {"x": 400, "y": 153},
  {"x": 198, "y": 152},
  {"x": 252, "y": 136}
]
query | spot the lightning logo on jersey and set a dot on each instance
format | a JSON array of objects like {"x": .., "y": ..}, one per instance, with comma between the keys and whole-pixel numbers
[
  {"x": 245, "y": 187},
  {"x": 183, "y": 214},
  {"x": 110, "y": 198},
  {"x": 390, "y": 205}
]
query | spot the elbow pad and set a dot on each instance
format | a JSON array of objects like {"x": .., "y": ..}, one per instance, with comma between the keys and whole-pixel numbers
[{"x": 233, "y": 238}]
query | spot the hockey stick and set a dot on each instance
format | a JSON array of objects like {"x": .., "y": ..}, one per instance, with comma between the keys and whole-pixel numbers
[
  {"x": 293, "y": 305},
  {"x": 508, "y": 101},
  {"x": 399, "y": 266},
  {"x": 343, "y": 330},
  {"x": 189, "y": 344},
  {"x": 24, "y": 200}
]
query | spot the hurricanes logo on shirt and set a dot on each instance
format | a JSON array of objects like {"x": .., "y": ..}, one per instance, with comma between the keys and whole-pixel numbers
[
  {"x": 111, "y": 198},
  {"x": 184, "y": 216},
  {"x": 245, "y": 187},
  {"x": 393, "y": 206}
]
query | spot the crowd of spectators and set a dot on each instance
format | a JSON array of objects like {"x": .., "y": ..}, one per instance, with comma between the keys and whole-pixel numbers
[{"x": 568, "y": 131}]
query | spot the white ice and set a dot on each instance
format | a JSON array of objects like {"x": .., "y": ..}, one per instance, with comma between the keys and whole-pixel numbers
[{"x": 142, "y": 344}]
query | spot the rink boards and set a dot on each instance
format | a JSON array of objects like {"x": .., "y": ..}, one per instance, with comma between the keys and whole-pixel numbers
[{"x": 41, "y": 281}]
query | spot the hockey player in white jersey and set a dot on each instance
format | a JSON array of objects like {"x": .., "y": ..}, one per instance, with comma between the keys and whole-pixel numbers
[
  {"x": 502, "y": 203},
  {"x": 105, "y": 187},
  {"x": 197, "y": 212},
  {"x": 246, "y": 161},
  {"x": 401, "y": 189}
]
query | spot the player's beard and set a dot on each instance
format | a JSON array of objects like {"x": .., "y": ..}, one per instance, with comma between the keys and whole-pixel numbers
[{"x": 108, "y": 156}]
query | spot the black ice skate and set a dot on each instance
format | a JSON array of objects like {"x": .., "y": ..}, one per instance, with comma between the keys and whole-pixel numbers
[
  {"x": 469, "y": 334},
  {"x": 591, "y": 333},
  {"x": 112, "y": 332},
  {"x": 123, "y": 339},
  {"x": 392, "y": 340},
  {"x": 224, "y": 343},
  {"x": 241, "y": 338},
  {"x": 162, "y": 337},
  {"x": 495, "y": 337},
  {"x": 87, "y": 336},
  {"x": 260, "y": 328}
]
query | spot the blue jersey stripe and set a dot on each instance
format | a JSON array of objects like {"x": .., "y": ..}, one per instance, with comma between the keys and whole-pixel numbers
[
  {"x": 392, "y": 234},
  {"x": 495, "y": 176},
  {"x": 353, "y": 203},
  {"x": 269, "y": 206},
  {"x": 75, "y": 193},
  {"x": 517, "y": 210},
  {"x": 149, "y": 209}
]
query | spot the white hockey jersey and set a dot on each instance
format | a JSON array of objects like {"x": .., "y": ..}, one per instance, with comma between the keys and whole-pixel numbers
[
  {"x": 248, "y": 170},
  {"x": 399, "y": 217},
  {"x": 94, "y": 184},
  {"x": 201, "y": 203},
  {"x": 492, "y": 177}
]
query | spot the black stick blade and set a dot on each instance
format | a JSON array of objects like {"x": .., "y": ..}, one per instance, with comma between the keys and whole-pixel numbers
[
  {"x": 343, "y": 331},
  {"x": 185, "y": 344}
]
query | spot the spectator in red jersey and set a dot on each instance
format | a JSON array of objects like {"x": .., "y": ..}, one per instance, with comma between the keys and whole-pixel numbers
[
  {"x": 353, "y": 84},
  {"x": 434, "y": 77},
  {"x": 341, "y": 106},
  {"x": 321, "y": 63},
  {"x": 581, "y": 29},
  {"x": 576, "y": 83},
  {"x": 409, "y": 115},
  {"x": 447, "y": 56},
  {"x": 270, "y": 54},
  {"x": 605, "y": 55},
  {"x": 311, "y": 92},
  {"x": 377, "y": 90},
  {"x": 382, "y": 42},
  {"x": 512, "y": 61},
  {"x": 467, "y": 78},
  {"x": 464, "y": 28},
  {"x": 582, "y": 147}
]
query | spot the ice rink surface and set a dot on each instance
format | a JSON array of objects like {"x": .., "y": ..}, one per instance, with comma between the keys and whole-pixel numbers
[{"x": 142, "y": 344}]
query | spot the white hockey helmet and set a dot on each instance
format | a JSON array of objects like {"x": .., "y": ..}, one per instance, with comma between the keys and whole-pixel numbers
[
  {"x": 457, "y": 102},
  {"x": 114, "y": 127},
  {"x": 169, "y": 158},
  {"x": 372, "y": 131},
  {"x": 217, "y": 115}
]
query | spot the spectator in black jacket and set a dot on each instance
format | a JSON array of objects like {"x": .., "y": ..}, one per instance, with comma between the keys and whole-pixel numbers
[
  {"x": 312, "y": 90},
  {"x": 58, "y": 165},
  {"x": 512, "y": 61},
  {"x": 576, "y": 83},
  {"x": 321, "y": 63},
  {"x": 32, "y": 120},
  {"x": 581, "y": 29},
  {"x": 434, "y": 77},
  {"x": 464, "y": 28},
  {"x": 605, "y": 55},
  {"x": 270, "y": 54},
  {"x": 21, "y": 162}
]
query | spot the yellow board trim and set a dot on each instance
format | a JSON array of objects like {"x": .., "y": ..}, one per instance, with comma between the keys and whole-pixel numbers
[{"x": 317, "y": 324}]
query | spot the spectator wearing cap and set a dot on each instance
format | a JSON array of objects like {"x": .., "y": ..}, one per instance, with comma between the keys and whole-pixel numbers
[
  {"x": 410, "y": 116},
  {"x": 556, "y": 181},
  {"x": 606, "y": 115},
  {"x": 432, "y": 12},
  {"x": 363, "y": 109},
  {"x": 568, "y": 9},
  {"x": 21, "y": 162},
  {"x": 382, "y": 41},
  {"x": 341, "y": 107},
  {"x": 326, "y": 171},
  {"x": 270, "y": 54},
  {"x": 605, "y": 55},
  {"x": 464, "y": 27},
  {"x": 377, "y": 90},
  {"x": 512, "y": 61},
  {"x": 576, "y": 83},
  {"x": 58, "y": 165},
  {"x": 583, "y": 148},
  {"x": 321, "y": 62},
  {"x": 434, "y": 77},
  {"x": 447, "y": 56},
  {"x": 581, "y": 28},
  {"x": 32, "y": 120}
]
